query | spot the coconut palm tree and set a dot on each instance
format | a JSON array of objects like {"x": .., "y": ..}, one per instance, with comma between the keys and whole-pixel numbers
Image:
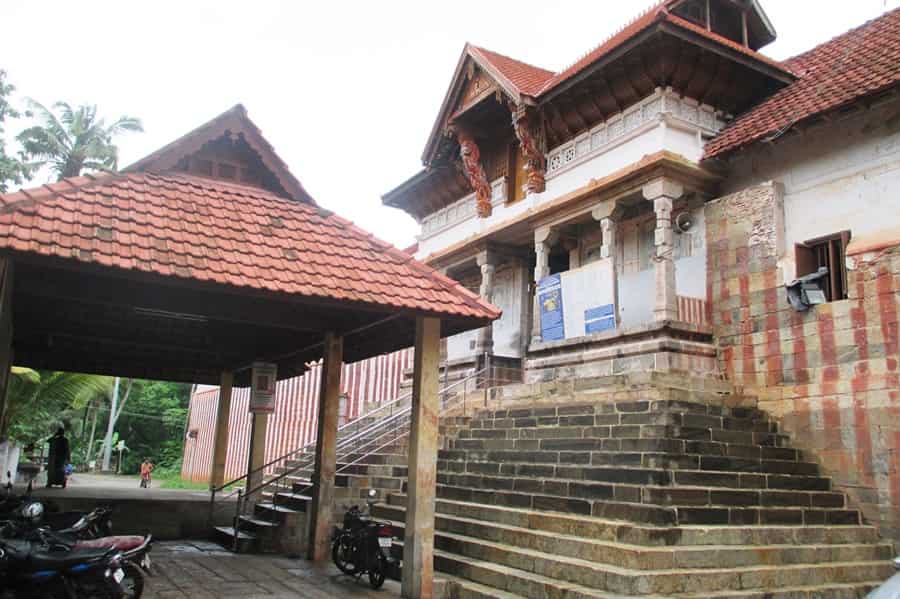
[
  {"x": 38, "y": 402},
  {"x": 73, "y": 140}
]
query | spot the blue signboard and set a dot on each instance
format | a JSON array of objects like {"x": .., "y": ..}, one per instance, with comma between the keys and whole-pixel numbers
[
  {"x": 599, "y": 319},
  {"x": 551, "y": 304}
]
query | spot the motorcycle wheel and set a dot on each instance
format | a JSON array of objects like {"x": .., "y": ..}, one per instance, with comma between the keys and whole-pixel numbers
[
  {"x": 133, "y": 583},
  {"x": 378, "y": 571},
  {"x": 340, "y": 557}
]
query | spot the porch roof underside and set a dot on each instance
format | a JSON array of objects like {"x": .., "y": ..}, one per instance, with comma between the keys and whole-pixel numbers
[{"x": 84, "y": 318}]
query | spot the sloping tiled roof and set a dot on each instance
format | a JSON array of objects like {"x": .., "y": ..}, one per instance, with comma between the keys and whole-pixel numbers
[
  {"x": 536, "y": 82},
  {"x": 528, "y": 79},
  {"x": 207, "y": 230},
  {"x": 861, "y": 62}
]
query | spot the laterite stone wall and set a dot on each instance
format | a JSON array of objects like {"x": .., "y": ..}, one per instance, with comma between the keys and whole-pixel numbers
[{"x": 829, "y": 374}]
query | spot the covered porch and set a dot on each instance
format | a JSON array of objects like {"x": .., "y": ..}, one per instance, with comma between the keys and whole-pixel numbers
[{"x": 184, "y": 278}]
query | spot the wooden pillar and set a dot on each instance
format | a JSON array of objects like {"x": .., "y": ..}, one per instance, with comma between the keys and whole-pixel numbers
[
  {"x": 326, "y": 451},
  {"x": 418, "y": 537},
  {"x": 258, "y": 428},
  {"x": 220, "y": 443},
  {"x": 663, "y": 193},
  {"x": 6, "y": 334}
]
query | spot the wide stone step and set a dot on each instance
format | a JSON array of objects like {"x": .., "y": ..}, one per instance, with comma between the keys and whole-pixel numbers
[
  {"x": 761, "y": 425},
  {"x": 646, "y": 486},
  {"x": 585, "y": 456},
  {"x": 638, "y": 557},
  {"x": 387, "y": 483},
  {"x": 643, "y": 534},
  {"x": 537, "y": 575},
  {"x": 630, "y": 407},
  {"x": 657, "y": 470}
]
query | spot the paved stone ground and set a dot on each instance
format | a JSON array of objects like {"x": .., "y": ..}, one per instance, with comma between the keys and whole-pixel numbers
[{"x": 203, "y": 570}]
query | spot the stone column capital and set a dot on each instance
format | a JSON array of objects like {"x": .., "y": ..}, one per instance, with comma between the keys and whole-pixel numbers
[
  {"x": 662, "y": 187},
  {"x": 606, "y": 210},
  {"x": 486, "y": 257},
  {"x": 545, "y": 235}
]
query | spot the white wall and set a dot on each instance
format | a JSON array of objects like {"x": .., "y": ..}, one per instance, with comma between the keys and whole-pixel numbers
[{"x": 838, "y": 176}]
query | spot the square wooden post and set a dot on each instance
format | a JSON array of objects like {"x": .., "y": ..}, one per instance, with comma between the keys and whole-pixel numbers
[
  {"x": 258, "y": 428},
  {"x": 220, "y": 442},
  {"x": 326, "y": 451},
  {"x": 418, "y": 538}
]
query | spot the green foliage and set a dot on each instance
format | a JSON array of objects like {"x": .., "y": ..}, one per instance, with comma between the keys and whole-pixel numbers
[
  {"x": 12, "y": 170},
  {"x": 152, "y": 424},
  {"x": 73, "y": 140},
  {"x": 39, "y": 402}
]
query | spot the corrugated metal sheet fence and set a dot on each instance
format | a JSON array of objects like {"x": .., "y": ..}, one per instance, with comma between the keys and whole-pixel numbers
[{"x": 293, "y": 424}]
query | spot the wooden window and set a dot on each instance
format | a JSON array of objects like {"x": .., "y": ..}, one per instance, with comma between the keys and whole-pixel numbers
[
  {"x": 829, "y": 251},
  {"x": 227, "y": 171},
  {"x": 515, "y": 174}
]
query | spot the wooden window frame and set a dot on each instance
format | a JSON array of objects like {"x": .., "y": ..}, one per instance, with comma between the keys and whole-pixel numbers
[{"x": 829, "y": 251}]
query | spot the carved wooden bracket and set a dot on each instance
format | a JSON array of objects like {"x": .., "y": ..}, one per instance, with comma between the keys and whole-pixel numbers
[
  {"x": 530, "y": 140},
  {"x": 474, "y": 171}
]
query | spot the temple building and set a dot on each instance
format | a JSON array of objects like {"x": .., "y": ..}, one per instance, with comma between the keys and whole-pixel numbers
[{"x": 643, "y": 209}]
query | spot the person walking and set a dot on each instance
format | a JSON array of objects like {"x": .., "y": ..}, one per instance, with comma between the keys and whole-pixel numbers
[
  {"x": 146, "y": 469},
  {"x": 59, "y": 457}
]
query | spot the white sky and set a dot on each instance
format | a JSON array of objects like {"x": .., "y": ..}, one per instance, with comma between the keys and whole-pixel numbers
[{"x": 346, "y": 92}]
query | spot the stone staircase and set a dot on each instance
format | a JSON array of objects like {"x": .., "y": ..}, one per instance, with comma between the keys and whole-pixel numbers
[{"x": 654, "y": 498}]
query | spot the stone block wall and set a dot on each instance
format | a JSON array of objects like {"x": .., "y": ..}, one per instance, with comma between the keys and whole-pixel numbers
[{"x": 829, "y": 374}]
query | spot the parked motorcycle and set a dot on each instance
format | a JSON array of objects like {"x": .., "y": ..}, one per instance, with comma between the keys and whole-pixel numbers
[
  {"x": 134, "y": 549},
  {"x": 363, "y": 546},
  {"x": 28, "y": 570}
]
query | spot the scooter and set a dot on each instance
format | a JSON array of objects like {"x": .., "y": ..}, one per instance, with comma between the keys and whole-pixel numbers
[
  {"x": 363, "y": 546},
  {"x": 28, "y": 570}
]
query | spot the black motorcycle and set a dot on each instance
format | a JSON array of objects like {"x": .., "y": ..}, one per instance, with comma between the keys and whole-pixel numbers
[
  {"x": 363, "y": 546},
  {"x": 30, "y": 571}
]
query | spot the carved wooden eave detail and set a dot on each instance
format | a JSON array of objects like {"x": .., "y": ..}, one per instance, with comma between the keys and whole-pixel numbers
[
  {"x": 470, "y": 155},
  {"x": 529, "y": 131}
]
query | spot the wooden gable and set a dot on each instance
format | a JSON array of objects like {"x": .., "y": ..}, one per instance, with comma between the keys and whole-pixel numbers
[{"x": 230, "y": 147}]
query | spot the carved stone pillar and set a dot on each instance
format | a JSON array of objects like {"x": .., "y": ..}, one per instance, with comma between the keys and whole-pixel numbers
[
  {"x": 663, "y": 193},
  {"x": 544, "y": 238},
  {"x": 530, "y": 139},
  {"x": 487, "y": 264},
  {"x": 474, "y": 172}
]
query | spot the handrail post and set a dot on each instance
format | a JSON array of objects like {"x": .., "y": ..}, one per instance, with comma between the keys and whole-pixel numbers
[
  {"x": 237, "y": 519},
  {"x": 212, "y": 506}
]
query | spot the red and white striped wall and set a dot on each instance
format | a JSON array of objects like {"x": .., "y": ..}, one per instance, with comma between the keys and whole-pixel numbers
[{"x": 293, "y": 424}]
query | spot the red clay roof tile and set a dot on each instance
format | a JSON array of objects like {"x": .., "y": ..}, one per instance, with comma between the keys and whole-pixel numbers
[
  {"x": 185, "y": 226},
  {"x": 861, "y": 62}
]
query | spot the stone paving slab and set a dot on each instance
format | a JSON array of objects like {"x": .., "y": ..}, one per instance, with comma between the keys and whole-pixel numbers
[{"x": 203, "y": 570}]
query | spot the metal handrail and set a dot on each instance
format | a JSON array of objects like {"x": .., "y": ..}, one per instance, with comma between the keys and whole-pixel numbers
[
  {"x": 341, "y": 444},
  {"x": 344, "y": 447}
]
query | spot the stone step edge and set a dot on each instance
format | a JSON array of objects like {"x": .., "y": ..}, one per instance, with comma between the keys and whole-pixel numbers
[
  {"x": 646, "y": 486},
  {"x": 563, "y": 584},
  {"x": 230, "y": 532},
  {"x": 630, "y": 524},
  {"x": 622, "y": 545},
  {"x": 636, "y": 467},
  {"x": 658, "y": 506}
]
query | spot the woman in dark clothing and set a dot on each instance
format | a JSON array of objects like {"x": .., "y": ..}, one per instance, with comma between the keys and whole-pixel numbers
[{"x": 59, "y": 457}]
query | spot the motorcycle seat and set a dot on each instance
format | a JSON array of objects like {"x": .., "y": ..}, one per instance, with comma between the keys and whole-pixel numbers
[
  {"x": 44, "y": 560},
  {"x": 121, "y": 542}
]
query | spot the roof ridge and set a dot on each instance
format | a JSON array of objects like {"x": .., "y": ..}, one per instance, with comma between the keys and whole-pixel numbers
[{"x": 835, "y": 38}]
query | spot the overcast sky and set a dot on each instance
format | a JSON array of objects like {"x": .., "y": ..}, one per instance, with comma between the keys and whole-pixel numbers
[{"x": 346, "y": 92}]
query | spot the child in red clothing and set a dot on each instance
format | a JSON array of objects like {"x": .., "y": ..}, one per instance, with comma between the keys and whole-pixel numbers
[{"x": 146, "y": 469}]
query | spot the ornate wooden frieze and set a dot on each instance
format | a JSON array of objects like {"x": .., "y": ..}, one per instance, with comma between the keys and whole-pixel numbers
[
  {"x": 474, "y": 171},
  {"x": 528, "y": 133}
]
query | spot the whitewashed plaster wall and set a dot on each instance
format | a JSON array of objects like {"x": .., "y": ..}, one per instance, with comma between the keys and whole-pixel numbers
[
  {"x": 837, "y": 176},
  {"x": 663, "y": 121},
  {"x": 509, "y": 292}
]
